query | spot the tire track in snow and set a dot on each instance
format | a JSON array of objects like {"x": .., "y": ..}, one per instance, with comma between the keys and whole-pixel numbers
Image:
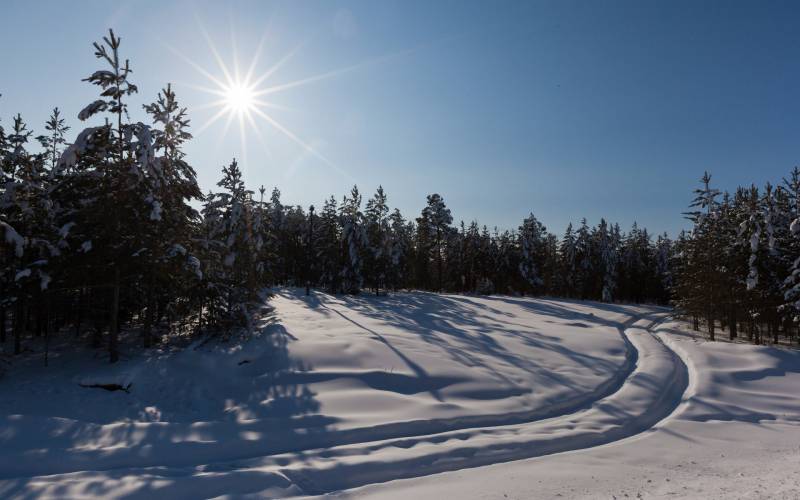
[
  {"x": 651, "y": 393},
  {"x": 174, "y": 449}
]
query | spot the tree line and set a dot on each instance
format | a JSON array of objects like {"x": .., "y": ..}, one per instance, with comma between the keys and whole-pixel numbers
[
  {"x": 738, "y": 268},
  {"x": 98, "y": 233}
]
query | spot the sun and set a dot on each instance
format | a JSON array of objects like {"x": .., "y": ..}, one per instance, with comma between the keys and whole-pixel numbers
[
  {"x": 240, "y": 98},
  {"x": 246, "y": 98}
]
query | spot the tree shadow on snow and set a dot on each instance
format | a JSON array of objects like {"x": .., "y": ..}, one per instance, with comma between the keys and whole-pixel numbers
[{"x": 476, "y": 339}]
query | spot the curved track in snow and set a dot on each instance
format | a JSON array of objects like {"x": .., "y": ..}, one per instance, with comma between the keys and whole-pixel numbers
[
  {"x": 651, "y": 393},
  {"x": 629, "y": 405}
]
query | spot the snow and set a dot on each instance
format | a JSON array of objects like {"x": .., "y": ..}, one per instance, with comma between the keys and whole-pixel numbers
[
  {"x": 65, "y": 229},
  {"x": 91, "y": 109},
  {"x": 414, "y": 395},
  {"x": 195, "y": 266},
  {"x": 22, "y": 274},
  {"x": 155, "y": 213},
  {"x": 44, "y": 280},
  {"x": 69, "y": 158},
  {"x": 12, "y": 237}
]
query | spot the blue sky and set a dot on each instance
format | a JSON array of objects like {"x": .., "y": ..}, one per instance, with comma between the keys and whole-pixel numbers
[{"x": 567, "y": 109}]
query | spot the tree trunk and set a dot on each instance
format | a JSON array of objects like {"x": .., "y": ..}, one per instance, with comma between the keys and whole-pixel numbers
[
  {"x": 113, "y": 331},
  {"x": 148, "y": 325},
  {"x": 439, "y": 255},
  {"x": 46, "y": 329},
  {"x": 79, "y": 312},
  {"x": 711, "y": 327},
  {"x": 2, "y": 325},
  {"x": 148, "y": 317},
  {"x": 732, "y": 322},
  {"x": 19, "y": 324}
]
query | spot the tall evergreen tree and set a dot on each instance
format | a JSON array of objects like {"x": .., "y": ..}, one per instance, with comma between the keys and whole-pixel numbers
[
  {"x": 532, "y": 240},
  {"x": 435, "y": 222}
]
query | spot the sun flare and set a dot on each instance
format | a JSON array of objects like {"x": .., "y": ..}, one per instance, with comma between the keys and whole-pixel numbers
[
  {"x": 239, "y": 97},
  {"x": 243, "y": 97}
]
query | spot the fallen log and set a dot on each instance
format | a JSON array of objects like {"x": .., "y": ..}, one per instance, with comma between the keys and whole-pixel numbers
[{"x": 108, "y": 387}]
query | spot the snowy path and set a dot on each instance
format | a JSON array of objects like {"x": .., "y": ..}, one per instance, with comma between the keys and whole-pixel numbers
[
  {"x": 736, "y": 434},
  {"x": 628, "y": 402}
]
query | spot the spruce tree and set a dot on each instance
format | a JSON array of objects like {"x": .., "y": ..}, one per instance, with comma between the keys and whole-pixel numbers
[
  {"x": 435, "y": 222},
  {"x": 378, "y": 253},
  {"x": 353, "y": 242},
  {"x": 532, "y": 236}
]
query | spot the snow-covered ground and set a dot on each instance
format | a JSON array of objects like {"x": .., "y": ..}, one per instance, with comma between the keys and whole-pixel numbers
[{"x": 414, "y": 395}]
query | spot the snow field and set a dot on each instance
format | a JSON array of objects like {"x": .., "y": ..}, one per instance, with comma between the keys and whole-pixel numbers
[{"x": 340, "y": 393}]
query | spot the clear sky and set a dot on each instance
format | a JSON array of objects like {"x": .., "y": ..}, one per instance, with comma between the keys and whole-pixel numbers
[{"x": 567, "y": 109}]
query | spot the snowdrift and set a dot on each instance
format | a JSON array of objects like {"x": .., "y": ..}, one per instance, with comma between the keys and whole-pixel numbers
[{"x": 344, "y": 392}]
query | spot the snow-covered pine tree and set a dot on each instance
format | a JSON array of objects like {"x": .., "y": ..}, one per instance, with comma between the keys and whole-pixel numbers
[
  {"x": 353, "y": 242},
  {"x": 5, "y": 251},
  {"x": 471, "y": 256},
  {"x": 328, "y": 246},
  {"x": 532, "y": 234},
  {"x": 791, "y": 283},
  {"x": 212, "y": 249},
  {"x": 262, "y": 238},
  {"x": 774, "y": 267},
  {"x": 239, "y": 256},
  {"x": 507, "y": 263},
  {"x": 569, "y": 264},
  {"x": 607, "y": 243},
  {"x": 295, "y": 237},
  {"x": 401, "y": 244},
  {"x": 378, "y": 254},
  {"x": 435, "y": 222},
  {"x": 277, "y": 227},
  {"x": 550, "y": 268},
  {"x": 118, "y": 175},
  {"x": 584, "y": 255},
  {"x": 703, "y": 285},
  {"x": 25, "y": 228},
  {"x": 757, "y": 236},
  {"x": 54, "y": 141},
  {"x": 663, "y": 260},
  {"x": 487, "y": 263},
  {"x": 172, "y": 269}
]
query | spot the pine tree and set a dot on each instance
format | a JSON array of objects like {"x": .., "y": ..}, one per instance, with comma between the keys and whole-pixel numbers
[
  {"x": 400, "y": 245},
  {"x": 329, "y": 246},
  {"x": 435, "y": 222},
  {"x": 353, "y": 241},
  {"x": 378, "y": 253},
  {"x": 171, "y": 267},
  {"x": 608, "y": 243},
  {"x": 663, "y": 265},
  {"x": 703, "y": 278},
  {"x": 532, "y": 236},
  {"x": 569, "y": 264},
  {"x": 584, "y": 255},
  {"x": 123, "y": 163},
  {"x": 239, "y": 256},
  {"x": 791, "y": 283}
]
